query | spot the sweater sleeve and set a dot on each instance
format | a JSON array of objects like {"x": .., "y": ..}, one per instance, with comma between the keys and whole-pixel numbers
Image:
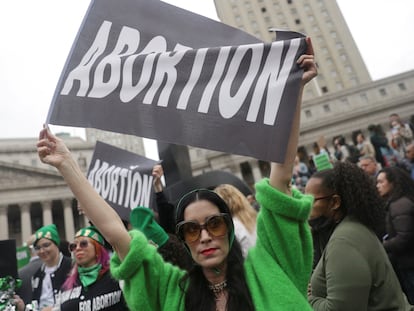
[
  {"x": 278, "y": 268},
  {"x": 284, "y": 232},
  {"x": 149, "y": 282},
  {"x": 348, "y": 282}
]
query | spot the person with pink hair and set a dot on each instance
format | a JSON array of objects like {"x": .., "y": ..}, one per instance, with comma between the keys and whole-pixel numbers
[{"x": 89, "y": 282}]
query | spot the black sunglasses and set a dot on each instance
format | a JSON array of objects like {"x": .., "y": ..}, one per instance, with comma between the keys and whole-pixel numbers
[
  {"x": 216, "y": 225},
  {"x": 74, "y": 246}
]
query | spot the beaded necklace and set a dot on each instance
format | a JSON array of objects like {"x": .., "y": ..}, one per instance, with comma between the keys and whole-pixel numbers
[
  {"x": 219, "y": 294},
  {"x": 218, "y": 288}
]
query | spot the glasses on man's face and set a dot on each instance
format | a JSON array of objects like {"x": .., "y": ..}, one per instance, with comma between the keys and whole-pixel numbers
[
  {"x": 323, "y": 198},
  {"x": 44, "y": 245},
  {"x": 81, "y": 244},
  {"x": 216, "y": 226}
]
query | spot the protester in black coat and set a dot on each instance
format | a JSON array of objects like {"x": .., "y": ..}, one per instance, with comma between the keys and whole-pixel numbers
[{"x": 396, "y": 186}]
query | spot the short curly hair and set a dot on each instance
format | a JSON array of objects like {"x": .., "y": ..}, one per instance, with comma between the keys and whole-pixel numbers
[{"x": 359, "y": 196}]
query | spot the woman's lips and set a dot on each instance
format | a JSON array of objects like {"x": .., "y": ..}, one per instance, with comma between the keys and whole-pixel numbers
[{"x": 208, "y": 251}]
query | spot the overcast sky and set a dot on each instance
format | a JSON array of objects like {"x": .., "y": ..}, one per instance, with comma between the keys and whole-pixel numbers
[{"x": 37, "y": 36}]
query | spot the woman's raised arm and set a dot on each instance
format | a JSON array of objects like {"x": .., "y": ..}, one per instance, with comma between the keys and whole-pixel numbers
[
  {"x": 53, "y": 151},
  {"x": 281, "y": 173}
]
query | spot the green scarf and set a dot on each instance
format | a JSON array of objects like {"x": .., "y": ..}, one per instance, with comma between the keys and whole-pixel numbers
[{"x": 89, "y": 275}]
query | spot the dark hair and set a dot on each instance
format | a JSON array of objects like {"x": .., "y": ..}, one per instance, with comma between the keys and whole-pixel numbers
[
  {"x": 359, "y": 196},
  {"x": 173, "y": 251},
  {"x": 402, "y": 184},
  {"x": 198, "y": 295},
  {"x": 64, "y": 248}
]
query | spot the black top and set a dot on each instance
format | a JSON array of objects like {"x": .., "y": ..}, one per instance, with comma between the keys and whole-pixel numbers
[{"x": 105, "y": 294}]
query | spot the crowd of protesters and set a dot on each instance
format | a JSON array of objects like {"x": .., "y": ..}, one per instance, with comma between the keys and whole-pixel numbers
[{"x": 338, "y": 238}]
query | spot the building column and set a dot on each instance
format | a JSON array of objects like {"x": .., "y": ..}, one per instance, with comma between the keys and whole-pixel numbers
[
  {"x": 257, "y": 175},
  {"x": 47, "y": 212},
  {"x": 25, "y": 221},
  {"x": 68, "y": 218},
  {"x": 4, "y": 223},
  {"x": 85, "y": 220}
]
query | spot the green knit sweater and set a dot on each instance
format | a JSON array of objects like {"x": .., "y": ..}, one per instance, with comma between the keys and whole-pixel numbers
[{"x": 277, "y": 269}]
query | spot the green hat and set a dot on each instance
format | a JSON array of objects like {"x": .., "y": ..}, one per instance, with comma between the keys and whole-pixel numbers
[
  {"x": 142, "y": 218},
  {"x": 91, "y": 232},
  {"x": 47, "y": 232}
]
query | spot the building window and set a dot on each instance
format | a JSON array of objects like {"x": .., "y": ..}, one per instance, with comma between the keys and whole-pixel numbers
[
  {"x": 339, "y": 86},
  {"x": 289, "y": 1},
  {"x": 334, "y": 73},
  {"x": 308, "y": 113},
  {"x": 264, "y": 10},
  {"x": 354, "y": 81},
  {"x": 344, "y": 102},
  {"x": 311, "y": 18},
  {"x": 326, "y": 108},
  {"x": 339, "y": 45},
  {"x": 297, "y": 21},
  {"x": 264, "y": 168},
  {"x": 382, "y": 92},
  {"x": 333, "y": 34},
  {"x": 324, "y": 89},
  {"x": 34, "y": 162},
  {"x": 402, "y": 86},
  {"x": 364, "y": 97}
]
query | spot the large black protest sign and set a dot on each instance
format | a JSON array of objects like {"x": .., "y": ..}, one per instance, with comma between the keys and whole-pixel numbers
[
  {"x": 153, "y": 70},
  {"x": 122, "y": 178}
]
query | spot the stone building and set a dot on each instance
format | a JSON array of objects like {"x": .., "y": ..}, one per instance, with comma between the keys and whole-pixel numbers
[{"x": 33, "y": 194}]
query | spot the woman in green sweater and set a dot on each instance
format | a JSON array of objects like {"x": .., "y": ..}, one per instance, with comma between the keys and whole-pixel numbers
[{"x": 274, "y": 275}]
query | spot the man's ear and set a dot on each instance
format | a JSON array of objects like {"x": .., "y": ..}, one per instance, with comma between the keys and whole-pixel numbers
[{"x": 336, "y": 199}]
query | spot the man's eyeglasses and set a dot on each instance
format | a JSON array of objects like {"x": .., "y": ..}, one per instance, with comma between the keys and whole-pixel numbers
[
  {"x": 324, "y": 197},
  {"x": 38, "y": 247},
  {"x": 216, "y": 226},
  {"x": 81, "y": 244}
]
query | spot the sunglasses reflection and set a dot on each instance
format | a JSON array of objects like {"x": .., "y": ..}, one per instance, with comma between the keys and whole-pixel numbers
[
  {"x": 81, "y": 244},
  {"x": 215, "y": 225}
]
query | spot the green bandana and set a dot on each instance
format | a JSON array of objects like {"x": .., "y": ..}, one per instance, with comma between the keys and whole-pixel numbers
[{"x": 89, "y": 275}]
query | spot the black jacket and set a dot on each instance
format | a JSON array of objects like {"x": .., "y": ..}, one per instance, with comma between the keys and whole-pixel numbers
[
  {"x": 400, "y": 229},
  {"x": 58, "y": 278},
  {"x": 105, "y": 295}
]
